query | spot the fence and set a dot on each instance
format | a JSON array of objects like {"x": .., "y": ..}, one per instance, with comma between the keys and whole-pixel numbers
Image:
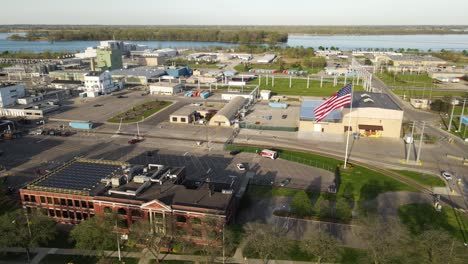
[{"x": 260, "y": 127}]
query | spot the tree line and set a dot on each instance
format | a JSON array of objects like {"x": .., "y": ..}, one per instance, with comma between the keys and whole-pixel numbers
[{"x": 150, "y": 33}]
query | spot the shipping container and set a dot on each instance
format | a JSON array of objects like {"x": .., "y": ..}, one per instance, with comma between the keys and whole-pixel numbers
[
  {"x": 205, "y": 95},
  {"x": 81, "y": 125}
]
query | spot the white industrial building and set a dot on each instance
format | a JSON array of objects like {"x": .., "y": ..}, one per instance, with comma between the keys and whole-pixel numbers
[
  {"x": 9, "y": 93},
  {"x": 166, "y": 88},
  {"x": 265, "y": 94},
  {"x": 90, "y": 52},
  {"x": 99, "y": 83}
]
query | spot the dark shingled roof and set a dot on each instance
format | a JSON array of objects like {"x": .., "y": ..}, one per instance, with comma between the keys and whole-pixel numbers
[{"x": 376, "y": 100}]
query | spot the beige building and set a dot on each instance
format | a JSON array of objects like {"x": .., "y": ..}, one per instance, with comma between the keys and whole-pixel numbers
[
  {"x": 166, "y": 88},
  {"x": 373, "y": 115},
  {"x": 191, "y": 113},
  {"x": 228, "y": 113},
  {"x": 152, "y": 61}
]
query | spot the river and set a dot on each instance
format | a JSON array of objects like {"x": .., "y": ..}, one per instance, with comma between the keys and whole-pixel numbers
[{"x": 344, "y": 42}]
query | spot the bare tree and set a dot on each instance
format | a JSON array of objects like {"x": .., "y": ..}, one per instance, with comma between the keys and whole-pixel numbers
[
  {"x": 144, "y": 233},
  {"x": 323, "y": 246},
  {"x": 437, "y": 246},
  {"x": 264, "y": 240},
  {"x": 385, "y": 239}
]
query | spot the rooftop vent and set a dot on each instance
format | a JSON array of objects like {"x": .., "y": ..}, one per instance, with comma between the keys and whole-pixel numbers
[
  {"x": 365, "y": 95},
  {"x": 368, "y": 100}
]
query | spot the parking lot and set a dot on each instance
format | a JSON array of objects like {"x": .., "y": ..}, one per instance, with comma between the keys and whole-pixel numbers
[
  {"x": 264, "y": 115},
  {"x": 23, "y": 161},
  {"x": 98, "y": 109}
]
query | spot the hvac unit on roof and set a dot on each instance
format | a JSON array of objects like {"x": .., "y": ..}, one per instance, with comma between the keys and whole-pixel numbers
[
  {"x": 365, "y": 95},
  {"x": 368, "y": 100}
]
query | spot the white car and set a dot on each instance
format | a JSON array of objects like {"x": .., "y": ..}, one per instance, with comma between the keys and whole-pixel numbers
[
  {"x": 446, "y": 175},
  {"x": 241, "y": 167},
  {"x": 196, "y": 104}
]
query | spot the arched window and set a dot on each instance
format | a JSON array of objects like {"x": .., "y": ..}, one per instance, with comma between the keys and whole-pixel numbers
[
  {"x": 122, "y": 211},
  {"x": 107, "y": 210},
  {"x": 181, "y": 219},
  {"x": 136, "y": 213}
]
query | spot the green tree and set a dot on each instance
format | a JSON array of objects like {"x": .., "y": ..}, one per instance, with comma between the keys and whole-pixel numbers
[
  {"x": 19, "y": 229},
  {"x": 264, "y": 240},
  {"x": 440, "y": 106},
  {"x": 323, "y": 246},
  {"x": 96, "y": 233},
  {"x": 301, "y": 204}
]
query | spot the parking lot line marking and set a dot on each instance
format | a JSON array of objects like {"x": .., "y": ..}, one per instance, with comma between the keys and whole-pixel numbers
[{"x": 42, "y": 139}]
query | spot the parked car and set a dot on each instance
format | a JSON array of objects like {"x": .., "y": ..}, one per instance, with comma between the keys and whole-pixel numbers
[
  {"x": 134, "y": 141},
  {"x": 447, "y": 175},
  {"x": 121, "y": 96},
  {"x": 65, "y": 134},
  {"x": 52, "y": 133},
  {"x": 234, "y": 152},
  {"x": 285, "y": 182},
  {"x": 97, "y": 105},
  {"x": 241, "y": 166}
]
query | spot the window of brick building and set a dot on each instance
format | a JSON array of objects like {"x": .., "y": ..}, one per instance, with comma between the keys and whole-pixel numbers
[
  {"x": 78, "y": 216},
  {"x": 91, "y": 205},
  {"x": 136, "y": 213},
  {"x": 51, "y": 213},
  {"x": 49, "y": 200},
  {"x": 77, "y": 203},
  {"x": 195, "y": 221},
  {"x": 65, "y": 214},
  {"x": 107, "y": 210},
  {"x": 42, "y": 199},
  {"x": 63, "y": 201},
  {"x": 181, "y": 219},
  {"x": 33, "y": 198},
  {"x": 122, "y": 211},
  {"x": 72, "y": 215},
  {"x": 26, "y": 198},
  {"x": 58, "y": 213},
  {"x": 56, "y": 201},
  {"x": 83, "y": 204},
  {"x": 70, "y": 202}
]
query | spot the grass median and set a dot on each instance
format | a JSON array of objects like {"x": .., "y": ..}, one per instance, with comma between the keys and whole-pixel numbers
[
  {"x": 406, "y": 80},
  {"x": 422, "y": 178},
  {"x": 140, "y": 112},
  {"x": 419, "y": 217}
]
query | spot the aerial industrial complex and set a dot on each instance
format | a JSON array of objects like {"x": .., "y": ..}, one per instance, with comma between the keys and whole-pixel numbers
[{"x": 202, "y": 143}]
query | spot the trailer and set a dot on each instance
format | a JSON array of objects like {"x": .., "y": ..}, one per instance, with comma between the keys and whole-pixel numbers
[
  {"x": 81, "y": 125},
  {"x": 205, "y": 94}
]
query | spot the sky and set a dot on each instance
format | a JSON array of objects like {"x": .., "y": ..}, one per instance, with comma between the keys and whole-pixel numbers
[{"x": 235, "y": 12}]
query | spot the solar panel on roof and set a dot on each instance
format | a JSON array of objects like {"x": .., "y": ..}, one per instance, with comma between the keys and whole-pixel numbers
[{"x": 79, "y": 176}]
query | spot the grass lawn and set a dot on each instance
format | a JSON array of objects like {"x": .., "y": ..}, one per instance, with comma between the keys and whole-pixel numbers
[
  {"x": 426, "y": 94},
  {"x": 454, "y": 129},
  {"x": 419, "y": 217},
  {"x": 426, "y": 179},
  {"x": 202, "y": 66},
  {"x": 358, "y": 184},
  {"x": 406, "y": 80},
  {"x": 299, "y": 87},
  {"x": 294, "y": 253},
  {"x": 78, "y": 259},
  {"x": 139, "y": 112}
]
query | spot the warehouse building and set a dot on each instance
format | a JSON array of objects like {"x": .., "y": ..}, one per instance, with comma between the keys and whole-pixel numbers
[
  {"x": 137, "y": 76},
  {"x": 162, "y": 195},
  {"x": 373, "y": 115},
  {"x": 192, "y": 113},
  {"x": 228, "y": 113},
  {"x": 267, "y": 58},
  {"x": 166, "y": 88}
]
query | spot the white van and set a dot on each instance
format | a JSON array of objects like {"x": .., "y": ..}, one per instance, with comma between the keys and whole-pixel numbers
[{"x": 269, "y": 154}]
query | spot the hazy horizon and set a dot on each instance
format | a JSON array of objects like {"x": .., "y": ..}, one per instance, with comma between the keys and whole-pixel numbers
[{"x": 235, "y": 13}]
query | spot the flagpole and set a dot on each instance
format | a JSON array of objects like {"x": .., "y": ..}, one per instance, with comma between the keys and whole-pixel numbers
[{"x": 349, "y": 127}]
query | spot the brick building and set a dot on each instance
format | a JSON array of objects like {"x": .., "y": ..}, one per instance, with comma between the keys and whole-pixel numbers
[{"x": 83, "y": 188}]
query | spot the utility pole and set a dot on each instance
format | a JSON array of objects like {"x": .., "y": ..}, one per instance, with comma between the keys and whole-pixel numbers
[
  {"x": 451, "y": 117},
  {"x": 409, "y": 144},
  {"x": 461, "y": 115},
  {"x": 420, "y": 143}
]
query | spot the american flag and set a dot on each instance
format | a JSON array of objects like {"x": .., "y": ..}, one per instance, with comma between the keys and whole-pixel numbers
[{"x": 337, "y": 100}]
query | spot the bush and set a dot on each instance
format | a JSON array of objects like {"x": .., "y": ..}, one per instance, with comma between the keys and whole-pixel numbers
[{"x": 301, "y": 205}]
